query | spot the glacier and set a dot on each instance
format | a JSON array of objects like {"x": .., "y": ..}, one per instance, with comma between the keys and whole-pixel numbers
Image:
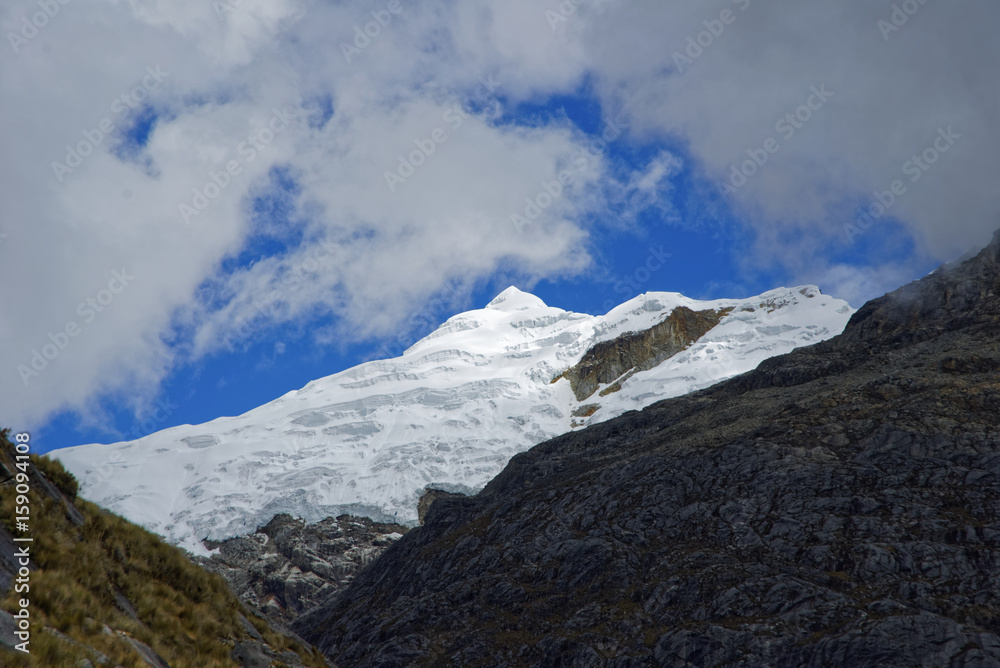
[{"x": 448, "y": 413}]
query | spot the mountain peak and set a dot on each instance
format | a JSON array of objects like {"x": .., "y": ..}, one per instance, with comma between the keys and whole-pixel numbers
[
  {"x": 513, "y": 299},
  {"x": 882, "y": 443},
  {"x": 453, "y": 409}
]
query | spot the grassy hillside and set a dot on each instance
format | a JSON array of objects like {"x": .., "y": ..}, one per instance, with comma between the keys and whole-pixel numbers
[{"x": 103, "y": 587}]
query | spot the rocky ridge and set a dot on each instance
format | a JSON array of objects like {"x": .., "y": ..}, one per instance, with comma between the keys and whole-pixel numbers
[
  {"x": 289, "y": 566},
  {"x": 838, "y": 505}
]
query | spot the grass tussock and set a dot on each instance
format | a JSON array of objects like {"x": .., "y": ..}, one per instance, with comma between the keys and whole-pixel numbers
[{"x": 91, "y": 579}]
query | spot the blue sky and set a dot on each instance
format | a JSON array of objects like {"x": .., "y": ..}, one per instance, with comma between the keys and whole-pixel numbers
[
  {"x": 701, "y": 235},
  {"x": 225, "y": 189}
]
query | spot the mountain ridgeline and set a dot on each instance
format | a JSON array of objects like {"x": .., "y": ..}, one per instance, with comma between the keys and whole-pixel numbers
[
  {"x": 838, "y": 505},
  {"x": 450, "y": 412}
]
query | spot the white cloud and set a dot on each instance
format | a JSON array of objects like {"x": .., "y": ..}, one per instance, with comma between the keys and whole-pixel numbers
[
  {"x": 857, "y": 285},
  {"x": 448, "y": 223},
  {"x": 225, "y": 77},
  {"x": 890, "y": 98}
]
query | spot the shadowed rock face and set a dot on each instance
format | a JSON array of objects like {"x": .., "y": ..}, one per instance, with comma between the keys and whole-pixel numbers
[
  {"x": 639, "y": 351},
  {"x": 839, "y": 505},
  {"x": 428, "y": 498},
  {"x": 289, "y": 566}
]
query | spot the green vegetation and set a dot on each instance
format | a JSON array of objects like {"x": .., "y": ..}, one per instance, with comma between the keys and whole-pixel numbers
[
  {"x": 107, "y": 581},
  {"x": 57, "y": 475}
]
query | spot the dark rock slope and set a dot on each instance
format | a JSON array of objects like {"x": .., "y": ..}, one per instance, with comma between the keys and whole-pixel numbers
[
  {"x": 838, "y": 506},
  {"x": 289, "y": 566}
]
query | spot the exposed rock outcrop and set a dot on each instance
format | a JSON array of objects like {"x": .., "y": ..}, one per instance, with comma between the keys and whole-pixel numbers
[
  {"x": 289, "y": 566},
  {"x": 608, "y": 361},
  {"x": 429, "y": 497},
  {"x": 839, "y": 505}
]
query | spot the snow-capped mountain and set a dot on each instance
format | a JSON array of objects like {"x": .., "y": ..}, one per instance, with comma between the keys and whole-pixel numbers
[{"x": 450, "y": 412}]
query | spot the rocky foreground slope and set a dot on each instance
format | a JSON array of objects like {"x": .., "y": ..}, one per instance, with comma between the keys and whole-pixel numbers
[
  {"x": 289, "y": 566},
  {"x": 94, "y": 590},
  {"x": 839, "y": 505}
]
